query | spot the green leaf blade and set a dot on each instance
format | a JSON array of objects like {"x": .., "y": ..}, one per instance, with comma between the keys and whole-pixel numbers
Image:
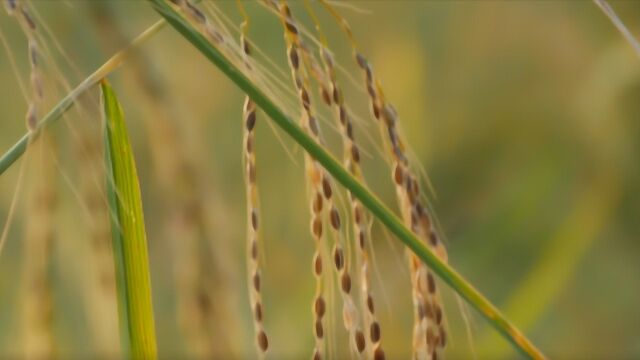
[{"x": 129, "y": 236}]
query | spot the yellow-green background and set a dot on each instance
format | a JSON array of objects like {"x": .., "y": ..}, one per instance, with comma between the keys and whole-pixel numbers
[{"x": 526, "y": 116}]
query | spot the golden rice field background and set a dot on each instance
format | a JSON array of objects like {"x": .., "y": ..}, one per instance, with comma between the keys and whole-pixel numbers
[{"x": 525, "y": 115}]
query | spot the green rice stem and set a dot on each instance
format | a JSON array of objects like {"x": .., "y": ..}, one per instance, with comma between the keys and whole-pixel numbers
[{"x": 333, "y": 166}]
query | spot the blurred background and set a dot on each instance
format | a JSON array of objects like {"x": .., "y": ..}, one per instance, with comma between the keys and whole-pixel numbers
[{"x": 525, "y": 115}]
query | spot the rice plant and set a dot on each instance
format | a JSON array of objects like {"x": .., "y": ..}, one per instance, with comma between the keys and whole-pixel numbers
[{"x": 156, "y": 235}]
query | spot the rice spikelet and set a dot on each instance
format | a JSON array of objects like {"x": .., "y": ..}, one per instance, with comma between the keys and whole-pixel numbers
[
  {"x": 334, "y": 99},
  {"x": 253, "y": 206},
  {"x": 207, "y": 325},
  {"x": 429, "y": 335},
  {"x": 18, "y": 10},
  {"x": 322, "y": 190}
]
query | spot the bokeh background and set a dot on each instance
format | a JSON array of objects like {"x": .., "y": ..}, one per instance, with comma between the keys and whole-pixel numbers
[{"x": 525, "y": 115}]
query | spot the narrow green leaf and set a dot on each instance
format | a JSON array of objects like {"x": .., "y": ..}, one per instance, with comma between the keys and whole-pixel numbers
[
  {"x": 333, "y": 166},
  {"x": 128, "y": 233}
]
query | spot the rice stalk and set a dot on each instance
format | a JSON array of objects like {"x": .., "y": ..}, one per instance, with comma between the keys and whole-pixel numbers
[
  {"x": 40, "y": 236},
  {"x": 18, "y": 149},
  {"x": 327, "y": 160},
  {"x": 198, "y": 278},
  {"x": 105, "y": 333},
  {"x": 617, "y": 22},
  {"x": 253, "y": 206},
  {"x": 218, "y": 36},
  {"x": 314, "y": 181},
  {"x": 319, "y": 181},
  {"x": 39, "y": 339},
  {"x": 334, "y": 99},
  {"x": 128, "y": 233},
  {"x": 429, "y": 332},
  {"x": 429, "y": 335},
  {"x": 369, "y": 200},
  {"x": 18, "y": 9}
]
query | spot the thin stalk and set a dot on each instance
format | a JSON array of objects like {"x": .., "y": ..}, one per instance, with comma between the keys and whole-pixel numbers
[
  {"x": 16, "y": 151},
  {"x": 368, "y": 199},
  {"x": 617, "y": 22}
]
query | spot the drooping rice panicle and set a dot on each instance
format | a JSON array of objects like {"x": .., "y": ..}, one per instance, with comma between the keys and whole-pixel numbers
[
  {"x": 342, "y": 175},
  {"x": 21, "y": 147},
  {"x": 200, "y": 275},
  {"x": 39, "y": 241},
  {"x": 100, "y": 306},
  {"x": 253, "y": 206},
  {"x": 18, "y": 9},
  {"x": 270, "y": 75},
  {"x": 39, "y": 232},
  {"x": 313, "y": 175},
  {"x": 212, "y": 27},
  {"x": 429, "y": 330},
  {"x": 322, "y": 190},
  {"x": 351, "y": 156},
  {"x": 101, "y": 297},
  {"x": 311, "y": 66},
  {"x": 198, "y": 17},
  {"x": 357, "y": 340}
]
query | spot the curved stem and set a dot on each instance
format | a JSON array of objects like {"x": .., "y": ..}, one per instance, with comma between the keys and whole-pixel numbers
[
  {"x": 368, "y": 199},
  {"x": 16, "y": 151}
]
